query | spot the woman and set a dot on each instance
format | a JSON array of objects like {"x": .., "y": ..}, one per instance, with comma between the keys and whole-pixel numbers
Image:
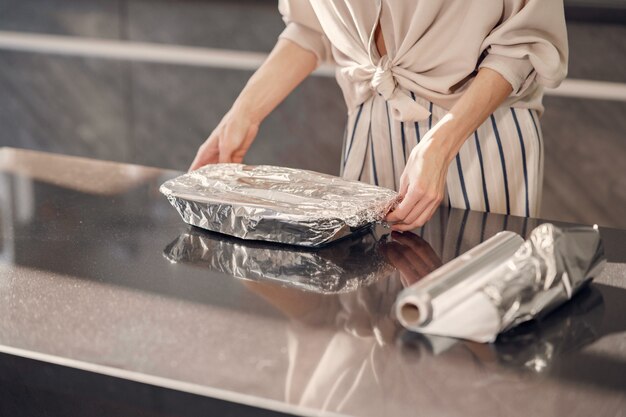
[{"x": 443, "y": 97}]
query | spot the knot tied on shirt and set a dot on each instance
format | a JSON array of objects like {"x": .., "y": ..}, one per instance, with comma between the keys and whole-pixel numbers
[{"x": 402, "y": 106}]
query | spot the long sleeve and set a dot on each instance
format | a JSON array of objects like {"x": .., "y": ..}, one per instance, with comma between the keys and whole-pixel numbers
[
  {"x": 529, "y": 44},
  {"x": 303, "y": 28}
]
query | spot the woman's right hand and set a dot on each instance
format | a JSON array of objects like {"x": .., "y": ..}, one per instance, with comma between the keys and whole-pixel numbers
[
  {"x": 285, "y": 67},
  {"x": 229, "y": 142}
]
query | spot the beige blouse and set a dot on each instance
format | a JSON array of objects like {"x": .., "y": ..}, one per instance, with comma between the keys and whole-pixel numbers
[{"x": 434, "y": 47}]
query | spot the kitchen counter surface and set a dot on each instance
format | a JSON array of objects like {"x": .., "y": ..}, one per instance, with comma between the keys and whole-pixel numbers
[{"x": 99, "y": 273}]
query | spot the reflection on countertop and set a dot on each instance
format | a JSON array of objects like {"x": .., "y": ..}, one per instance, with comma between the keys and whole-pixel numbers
[
  {"x": 343, "y": 266},
  {"x": 115, "y": 280},
  {"x": 299, "y": 282}
]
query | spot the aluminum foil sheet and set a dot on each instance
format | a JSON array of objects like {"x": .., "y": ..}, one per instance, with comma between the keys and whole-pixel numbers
[
  {"x": 276, "y": 204},
  {"x": 485, "y": 295},
  {"x": 354, "y": 262}
]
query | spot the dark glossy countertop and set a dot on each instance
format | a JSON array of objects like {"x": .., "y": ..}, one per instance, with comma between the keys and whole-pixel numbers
[{"x": 98, "y": 272}]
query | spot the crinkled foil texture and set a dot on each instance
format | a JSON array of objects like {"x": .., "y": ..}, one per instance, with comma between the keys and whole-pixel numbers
[
  {"x": 352, "y": 263},
  {"x": 276, "y": 204},
  {"x": 491, "y": 294},
  {"x": 549, "y": 268}
]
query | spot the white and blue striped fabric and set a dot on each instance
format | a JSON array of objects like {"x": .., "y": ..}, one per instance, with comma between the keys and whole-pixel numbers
[{"x": 499, "y": 169}]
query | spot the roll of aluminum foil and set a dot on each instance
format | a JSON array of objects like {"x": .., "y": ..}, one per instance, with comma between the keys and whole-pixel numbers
[
  {"x": 355, "y": 262},
  {"x": 276, "y": 204},
  {"x": 447, "y": 286},
  {"x": 546, "y": 270}
]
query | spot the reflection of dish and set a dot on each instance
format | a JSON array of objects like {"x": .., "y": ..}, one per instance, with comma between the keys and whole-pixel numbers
[{"x": 338, "y": 268}]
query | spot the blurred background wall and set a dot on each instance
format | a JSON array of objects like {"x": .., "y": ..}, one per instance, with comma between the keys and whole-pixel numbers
[{"x": 157, "y": 113}]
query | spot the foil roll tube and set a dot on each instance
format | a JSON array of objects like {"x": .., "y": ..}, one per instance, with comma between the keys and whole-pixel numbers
[
  {"x": 547, "y": 270},
  {"x": 453, "y": 282},
  {"x": 276, "y": 204},
  {"x": 354, "y": 262}
]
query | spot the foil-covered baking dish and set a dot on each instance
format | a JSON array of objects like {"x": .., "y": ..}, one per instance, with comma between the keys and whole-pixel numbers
[{"x": 276, "y": 204}]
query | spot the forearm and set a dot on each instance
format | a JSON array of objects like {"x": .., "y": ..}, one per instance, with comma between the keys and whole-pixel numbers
[
  {"x": 286, "y": 66},
  {"x": 423, "y": 181},
  {"x": 486, "y": 93}
]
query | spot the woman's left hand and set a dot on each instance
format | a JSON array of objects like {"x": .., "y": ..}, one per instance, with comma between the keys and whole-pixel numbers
[
  {"x": 422, "y": 185},
  {"x": 423, "y": 181}
]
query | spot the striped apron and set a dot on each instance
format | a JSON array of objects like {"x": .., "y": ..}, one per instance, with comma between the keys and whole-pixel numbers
[{"x": 499, "y": 168}]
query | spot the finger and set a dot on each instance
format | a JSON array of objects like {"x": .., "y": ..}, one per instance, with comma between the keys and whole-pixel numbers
[
  {"x": 404, "y": 227},
  {"x": 415, "y": 212},
  {"x": 424, "y": 217},
  {"x": 236, "y": 139},
  {"x": 428, "y": 214},
  {"x": 195, "y": 164},
  {"x": 226, "y": 152},
  {"x": 429, "y": 202},
  {"x": 229, "y": 142},
  {"x": 400, "y": 222},
  {"x": 410, "y": 200},
  {"x": 200, "y": 160},
  {"x": 207, "y": 154}
]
